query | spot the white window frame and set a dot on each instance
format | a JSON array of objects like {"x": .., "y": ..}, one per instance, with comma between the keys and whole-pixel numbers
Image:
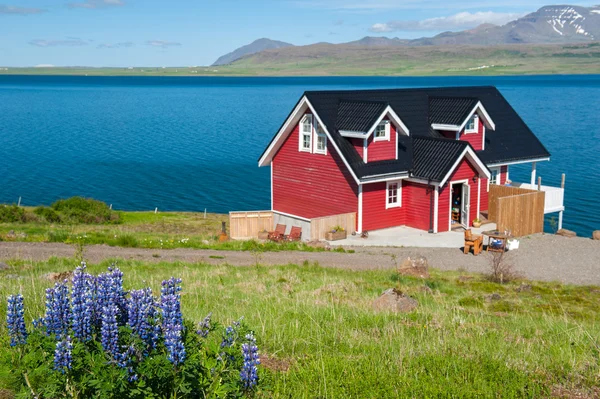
[
  {"x": 492, "y": 170},
  {"x": 302, "y": 134},
  {"x": 475, "y": 129},
  {"x": 386, "y": 136},
  {"x": 320, "y": 133},
  {"x": 398, "y": 202}
]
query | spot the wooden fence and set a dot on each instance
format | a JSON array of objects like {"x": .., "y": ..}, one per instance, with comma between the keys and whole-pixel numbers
[
  {"x": 320, "y": 226},
  {"x": 246, "y": 225},
  {"x": 516, "y": 209}
]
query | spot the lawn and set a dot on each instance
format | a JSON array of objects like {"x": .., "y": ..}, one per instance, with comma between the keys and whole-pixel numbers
[
  {"x": 162, "y": 230},
  {"x": 320, "y": 337}
]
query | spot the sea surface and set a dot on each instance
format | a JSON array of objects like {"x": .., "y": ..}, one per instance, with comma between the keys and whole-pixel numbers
[{"x": 190, "y": 144}]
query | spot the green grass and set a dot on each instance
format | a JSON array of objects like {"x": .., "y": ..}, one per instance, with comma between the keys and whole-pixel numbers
[
  {"x": 163, "y": 230},
  {"x": 320, "y": 337}
]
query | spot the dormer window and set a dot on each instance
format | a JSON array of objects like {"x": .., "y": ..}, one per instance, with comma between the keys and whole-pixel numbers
[
  {"x": 382, "y": 131},
  {"x": 320, "y": 141},
  {"x": 472, "y": 124},
  {"x": 306, "y": 133}
]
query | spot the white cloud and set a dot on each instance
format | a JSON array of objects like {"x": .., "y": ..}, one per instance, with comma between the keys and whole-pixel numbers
[
  {"x": 96, "y": 4},
  {"x": 53, "y": 43},
  {"x": 115, "y": 45},
  {"x": 14, "y": 10},
  {"x": 462, "y": 20},
  {"x": 162, "y": 43}
]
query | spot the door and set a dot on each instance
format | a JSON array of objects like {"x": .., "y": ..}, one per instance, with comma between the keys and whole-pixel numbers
[{"x": 464, "y": 205}]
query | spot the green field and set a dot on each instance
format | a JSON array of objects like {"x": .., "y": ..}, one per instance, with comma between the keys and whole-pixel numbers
[
  {"x": 320, "y": 337},
  {"x": 350, "y": 60}
]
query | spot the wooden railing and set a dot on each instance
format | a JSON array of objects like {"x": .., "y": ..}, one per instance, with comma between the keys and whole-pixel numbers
[
  {"x": 246, "y": 225},
  {"x": 320, "y": 226}
]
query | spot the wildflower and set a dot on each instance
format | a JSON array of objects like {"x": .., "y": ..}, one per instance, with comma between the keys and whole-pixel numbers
[
  {"x": 124, "y": 361},
  {"x": 58, "y": 310},
  {"x": 249, "y": 372},
  {"x": 62, "y": 354},
  {"x": 141, "y": 314},
  {"x": 172, "y": 320},
  {"x": 83, "y": 303},
  {"x": 16, "y": 320},
  {"x": 204, "y": 326},
  {"x": 109, "y": 330},
  {"x": 111, "y": 292},
  {"x": 228, "y": 337}
]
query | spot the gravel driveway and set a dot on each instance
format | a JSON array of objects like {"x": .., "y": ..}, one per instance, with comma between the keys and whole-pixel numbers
[{"x": 540, "y": 257}]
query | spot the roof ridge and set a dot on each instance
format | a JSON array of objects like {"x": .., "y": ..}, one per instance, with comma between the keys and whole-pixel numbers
[
  {"x": 342, "y": 100},
  {"x": 406, "y": 89}
]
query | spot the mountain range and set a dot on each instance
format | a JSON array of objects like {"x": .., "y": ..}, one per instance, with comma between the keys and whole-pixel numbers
[{"x": 549, "y": 25}]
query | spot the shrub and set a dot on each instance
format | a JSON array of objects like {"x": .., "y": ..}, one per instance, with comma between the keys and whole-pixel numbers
[
  {"x": 127, "y": 240},
  {"x": 96, "y": 340},
  {"x": 501, "y": 268},
  {"x": 47, "y": 214},
  {"x": 11, "y": 214},
  {"x": 58, "y": 236},
  {"x": 85, "y": 210}
]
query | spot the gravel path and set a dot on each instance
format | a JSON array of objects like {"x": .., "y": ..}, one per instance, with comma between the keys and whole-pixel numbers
[{"x": 541, "y": 257}]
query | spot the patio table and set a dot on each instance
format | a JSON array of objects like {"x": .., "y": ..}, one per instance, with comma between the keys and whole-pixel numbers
[{"x": 496, "y": 235}]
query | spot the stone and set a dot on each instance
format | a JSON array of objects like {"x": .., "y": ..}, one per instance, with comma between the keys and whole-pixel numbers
[
  {"x": 396, "y": 301},
  {"x": 59, "y": 276},
  {"x": 4, "y": 266},
  {"x": 524, "y": 288},
  {"x": 566, "y": 233},
  {"x": 596, "y": 235},
  {"x": 494, "y": 297},
  {"x": 319, "y": 244},
  {"x": 416, "y": 267},
  {"x": 425, "y": 289}
]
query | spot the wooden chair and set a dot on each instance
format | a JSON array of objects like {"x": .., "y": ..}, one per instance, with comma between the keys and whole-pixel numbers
[
  {"x": 278, "y": 234},
  {"x": 295, "y": 234},
  {"x": 475, "y": 242}
]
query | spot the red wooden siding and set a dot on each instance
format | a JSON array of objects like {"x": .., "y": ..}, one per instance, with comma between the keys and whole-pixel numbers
[
  {"x": 416, "y": 199},
  {"x": 475, "y": 139},
  {"x": 358, "y": 146},
  {"x": 375, "y": 215},
  {"x": 311, "y": 185},
  {"x": 465, "y": 171},
  {"x": 382, "y": 150}
]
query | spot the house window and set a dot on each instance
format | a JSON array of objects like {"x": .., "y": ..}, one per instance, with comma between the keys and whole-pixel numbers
[
  {"x": 494, "y": 176},
  {"x": 472, "y": 124},
  {"x": 394, "y": 194},
  {"x": 320, "y": 141},
  {"x": 382, "y": 131},
  {"x": 306, "y": 133}
]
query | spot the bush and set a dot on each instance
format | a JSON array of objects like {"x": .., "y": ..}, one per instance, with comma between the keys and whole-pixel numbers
[
  {"x": 99, "y": 341},
  {"x": 127, "y": 240},
  {"x": 85, "y": 210},
  {"x": 47, "y": 214},
  {"x": 501, "y": 268},
  {"x": 58, "y": 236},
  {"x": 11, "y": 214}
]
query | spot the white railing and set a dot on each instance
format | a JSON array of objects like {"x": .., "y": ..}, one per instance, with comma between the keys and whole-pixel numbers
[{"x": 555, "y": 196}]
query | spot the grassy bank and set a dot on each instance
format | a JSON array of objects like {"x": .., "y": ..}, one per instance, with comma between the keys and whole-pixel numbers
[
  {"x": 163, "y": 230},
  {"x": 319, "y": 336}
]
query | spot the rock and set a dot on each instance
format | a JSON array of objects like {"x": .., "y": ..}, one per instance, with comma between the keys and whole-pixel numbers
[
  {"x": 395, "y": 301},
  {"x": 426, "y": 289},
  {"x": 59, "y": 276},
  {"x": 12, "y": 276},
  {"x": 319, "y": 244},
  {"x": 524, "y": 288},
  {"x": 22, "y": 235},
  {"x": 463, "y": 279},
  {"x": 416, "y": 267},
  {"x": 4, "y": 266},
  {"x": 566, "y": 233},
  {"x": 596, "y": 235},
  {"x": 493, "y": 297},
  {"x": 11, "y": 234}
]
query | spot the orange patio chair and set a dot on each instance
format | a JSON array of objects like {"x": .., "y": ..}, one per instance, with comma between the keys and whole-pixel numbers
[
  {"x": 278, "y": 234},
  {"x": 295, "y": 234},
  {"x": 472, "y": 241}
]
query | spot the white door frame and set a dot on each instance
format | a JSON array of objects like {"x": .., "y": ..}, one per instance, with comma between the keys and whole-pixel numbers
[
  {"x": 465, "y": 206},
  {"x": 464, "y": 181}
]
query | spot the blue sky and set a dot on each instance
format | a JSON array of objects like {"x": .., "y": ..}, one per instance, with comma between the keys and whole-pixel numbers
[{"x": 197, "y": 32}]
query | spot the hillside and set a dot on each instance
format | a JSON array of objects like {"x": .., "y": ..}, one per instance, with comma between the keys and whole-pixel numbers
[{"x": 252, "y": 48}]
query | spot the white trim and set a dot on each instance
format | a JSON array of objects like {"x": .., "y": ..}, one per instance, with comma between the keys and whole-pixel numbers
[
  {"x": 396, "y": 143},
  {"x": 533, "y": 172},
  {"x": 398, "y": 203},
  {"x": 450, "y": 200},
  {"x": 436, "y": 201},
  {"x": 365, "y": 148},
  {"x": 302, "y": 133},
  {"x": 395, "y": 118},
  {"x": 483, "y": 139},
  {"x": 422, "y": 181},
  {"x": 478, "y": 197},
  {"x": 292, "y": 216},
  {"x": 272, "y": 166},
  {"x": 386, "y": 130},
  {"x": 352, "y": 135},
  {"x": 496, "y": 168},
  {"x": 475, "y": 129},
  {"x": 458, "y": 128},
  {"x": 518, "y": 162},
  {"x": 360, "y": 208},
  {"x": 474, "y": 158},
  {"x": 442, "y": 126},
  {"x": 391, "y": 177},
  {"x": 316, "y": 137}
]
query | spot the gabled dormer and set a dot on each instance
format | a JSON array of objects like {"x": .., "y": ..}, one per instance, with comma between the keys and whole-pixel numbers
[
  {"x": 372, "y": 128},
  {"x": 460, "y": 118}
]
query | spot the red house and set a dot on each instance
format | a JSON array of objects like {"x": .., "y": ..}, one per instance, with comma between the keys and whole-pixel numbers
[{"x": 422, "y": 158}]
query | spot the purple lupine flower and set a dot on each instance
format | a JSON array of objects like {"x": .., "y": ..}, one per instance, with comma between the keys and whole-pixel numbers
[
  {"x": 172, "y": 320},
  {"x": 83, "y": 303},
  {"x": 249, "y": 372},
  {"x": 62, "y": 354},
  {"x": 124, "y": 361},
  {"x": 16, "y": 320},
  {"x": 204, "y": 327},
  {"x": 110, "y": 291},
  {"x": 109, "y": 331},
  {"x": 58, "y": 310},
  {"x": 229, "y": 337},
  {"x": 142, "y": 314}
]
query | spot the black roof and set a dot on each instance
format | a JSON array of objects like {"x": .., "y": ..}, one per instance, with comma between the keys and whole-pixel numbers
[
  {"x": 358, "y": 116},
  {"x": 450, "y": 110},
  {"x": 426, "y": 153}
]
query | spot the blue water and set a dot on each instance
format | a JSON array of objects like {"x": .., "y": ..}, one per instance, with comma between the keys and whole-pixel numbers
[{"x": 193, "y": 143}]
